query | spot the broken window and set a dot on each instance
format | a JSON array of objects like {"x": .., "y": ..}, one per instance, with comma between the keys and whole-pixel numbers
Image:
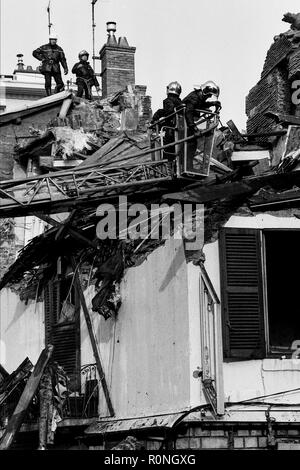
[{"x": 259, "y": 292}]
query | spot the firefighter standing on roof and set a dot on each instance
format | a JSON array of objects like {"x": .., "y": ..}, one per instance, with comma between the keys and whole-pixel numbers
[
  {"x": 51, "y": 55},
  {"x": 85, "y": 75}
]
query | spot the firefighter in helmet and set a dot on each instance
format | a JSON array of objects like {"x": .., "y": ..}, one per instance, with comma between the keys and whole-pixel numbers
[
  {"x": 198, "y": 100},
  {"x": 85, "y": 76},
  {"x": 170, "y": 103},
  {"x": 51, "y": 55}
]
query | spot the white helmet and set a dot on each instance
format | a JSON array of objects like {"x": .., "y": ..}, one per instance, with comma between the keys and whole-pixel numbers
[
  {"x": 210, "y": 88},
  {"x": 53, "y": 36},
  {"x": 174, "y": 87}
]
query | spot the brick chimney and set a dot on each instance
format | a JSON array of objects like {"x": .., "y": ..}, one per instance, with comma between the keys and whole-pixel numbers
[{"x": 117, "y": 62}]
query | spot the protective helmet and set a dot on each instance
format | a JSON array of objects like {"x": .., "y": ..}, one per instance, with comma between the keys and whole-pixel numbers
[
  {"x": 174, "y": 87},
  {"x": 53, "y": 36},
  {"x": 82, "y": 53},
  {"x": 210, "y": 88}
]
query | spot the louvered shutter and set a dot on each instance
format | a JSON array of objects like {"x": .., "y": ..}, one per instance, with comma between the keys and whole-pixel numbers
[
  {"x": 64, "y": 340},
  {"x": 48, "y": 305},
  {"x": 64, "y": 337},
  {"x": 242, "y": 293}
]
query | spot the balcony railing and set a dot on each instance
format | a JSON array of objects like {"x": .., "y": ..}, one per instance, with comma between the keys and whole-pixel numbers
[
  {"x": 82, "y": 403},
  {"x": 72, "y": 399}
]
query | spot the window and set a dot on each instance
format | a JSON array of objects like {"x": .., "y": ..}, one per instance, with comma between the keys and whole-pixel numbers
[
  {"x": 62, "y": 322},
  {"x": 259, "y": 292}
]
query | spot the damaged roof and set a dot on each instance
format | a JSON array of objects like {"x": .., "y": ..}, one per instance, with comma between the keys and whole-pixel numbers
[
  {"x": 33, "y": 107},
  {"x": 117, "y": 149}
]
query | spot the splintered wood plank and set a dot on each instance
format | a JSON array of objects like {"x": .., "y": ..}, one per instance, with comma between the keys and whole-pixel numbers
[
  {"x": 210, "y": 193},
  {"x": 18, "y": 415},
  {"x": 92, "y": 337},
  {"x": 11, "y": 381}
]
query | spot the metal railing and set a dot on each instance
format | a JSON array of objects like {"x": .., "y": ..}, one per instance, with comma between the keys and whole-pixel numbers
[
  {"x": 192, "y": 155},
  {"x": 81, "y": 401}
]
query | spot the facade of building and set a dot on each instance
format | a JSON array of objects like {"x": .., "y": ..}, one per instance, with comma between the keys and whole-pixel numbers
[{"x": 172, "y": 348}]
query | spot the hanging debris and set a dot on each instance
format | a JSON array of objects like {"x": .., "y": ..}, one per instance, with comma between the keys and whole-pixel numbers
[{"x": 70, "y": 140}]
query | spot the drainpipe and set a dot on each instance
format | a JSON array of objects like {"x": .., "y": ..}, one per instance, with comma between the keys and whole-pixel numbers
[{"x": 271, "y": 439}]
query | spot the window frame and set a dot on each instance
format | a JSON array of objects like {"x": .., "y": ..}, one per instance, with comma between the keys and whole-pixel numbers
[{"x": 264, "y": 287}]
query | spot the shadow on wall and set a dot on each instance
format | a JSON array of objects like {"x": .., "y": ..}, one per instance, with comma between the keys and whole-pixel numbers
[
  {"x": 19, "y": 311},
  {"x": 175, "y": 265}
]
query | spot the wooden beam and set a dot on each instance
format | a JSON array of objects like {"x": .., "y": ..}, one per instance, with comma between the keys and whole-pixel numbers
[
  {"x": 234, "y": 130},
  {"x": 3, "y": 374},
  {"x": 92, "y": 337},
  {"x": 65, "y": 225},
  {"x": 11, "y": 381},
  {"x": 76, "y": 234},
  {"x": 66, "y": 104},
  {"x": 210, "y": 193},
  {"x": 18, "y": 415},
  {"x": 286, "y": 118}
]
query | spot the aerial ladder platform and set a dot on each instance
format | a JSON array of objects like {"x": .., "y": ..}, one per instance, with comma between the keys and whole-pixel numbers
[{"x": 173, "y": 162}]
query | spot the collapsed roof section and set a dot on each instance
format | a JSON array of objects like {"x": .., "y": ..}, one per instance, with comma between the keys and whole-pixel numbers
[
  {"x": 254, "y": 171},
  {"x": 269, "y": 103}
]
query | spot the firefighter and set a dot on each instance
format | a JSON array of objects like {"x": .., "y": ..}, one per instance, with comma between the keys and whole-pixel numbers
[
  {"x": 51, "y": 55},
  {"x": 85, "y": 76},
  {"x": 197, "y": 99},
  {"x": 170, "y": 103}
]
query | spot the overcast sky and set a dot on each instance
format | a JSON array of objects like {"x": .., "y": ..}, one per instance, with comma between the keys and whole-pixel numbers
[{"x": 186, "y": 40}]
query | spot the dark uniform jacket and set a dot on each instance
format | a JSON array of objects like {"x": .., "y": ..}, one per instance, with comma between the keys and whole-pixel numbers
[
  {"x": 51, "y": 57},
  {"x": 84, "y": 71},
  {"x": 195, "y": 100},
  {"x": 169, "y": 104}
]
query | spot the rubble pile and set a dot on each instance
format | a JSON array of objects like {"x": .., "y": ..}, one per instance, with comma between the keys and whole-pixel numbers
[{"x": 87, "y": 127}]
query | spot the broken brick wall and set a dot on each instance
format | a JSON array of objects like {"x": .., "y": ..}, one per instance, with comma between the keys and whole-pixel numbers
[
  {"x": 7, "y": 244},
  {"x": 273, "y": 91},
  {"x": 12, "y": 134},
  {"x": 21, "y": 130}
]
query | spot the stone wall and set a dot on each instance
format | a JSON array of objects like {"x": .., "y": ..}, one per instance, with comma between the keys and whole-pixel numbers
[{"x": 217, "y": 436}]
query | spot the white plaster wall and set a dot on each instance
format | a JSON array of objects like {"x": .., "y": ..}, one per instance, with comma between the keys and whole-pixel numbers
[
  {"x": 21, "y": 326},
  {"x": 248, "y": 379},
  {"x": 146, "y": 350},
  {"x": 263, "y": 221},
  {"x": 196, "y": 393},
  {"x": 21, "y": 330}
]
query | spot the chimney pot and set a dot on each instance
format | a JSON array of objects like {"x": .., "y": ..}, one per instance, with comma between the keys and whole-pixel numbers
[
  {"x": 20, "y": 64},
  {"x": 123, "y": 42},
  {"x": 111, "y": 27}
]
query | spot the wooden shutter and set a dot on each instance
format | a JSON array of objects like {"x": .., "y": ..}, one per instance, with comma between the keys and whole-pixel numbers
[
  {"x": 64, "y": 337},
  {"x": 49, "y": 311},
  {"x": 242, "y": 293},
  {"x": 64, "y": 340}
]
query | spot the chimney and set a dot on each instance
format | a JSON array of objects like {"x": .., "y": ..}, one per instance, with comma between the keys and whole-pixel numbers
[
  {"x": 117, "y": 62},
  {"x": 20, "y": 64}
]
